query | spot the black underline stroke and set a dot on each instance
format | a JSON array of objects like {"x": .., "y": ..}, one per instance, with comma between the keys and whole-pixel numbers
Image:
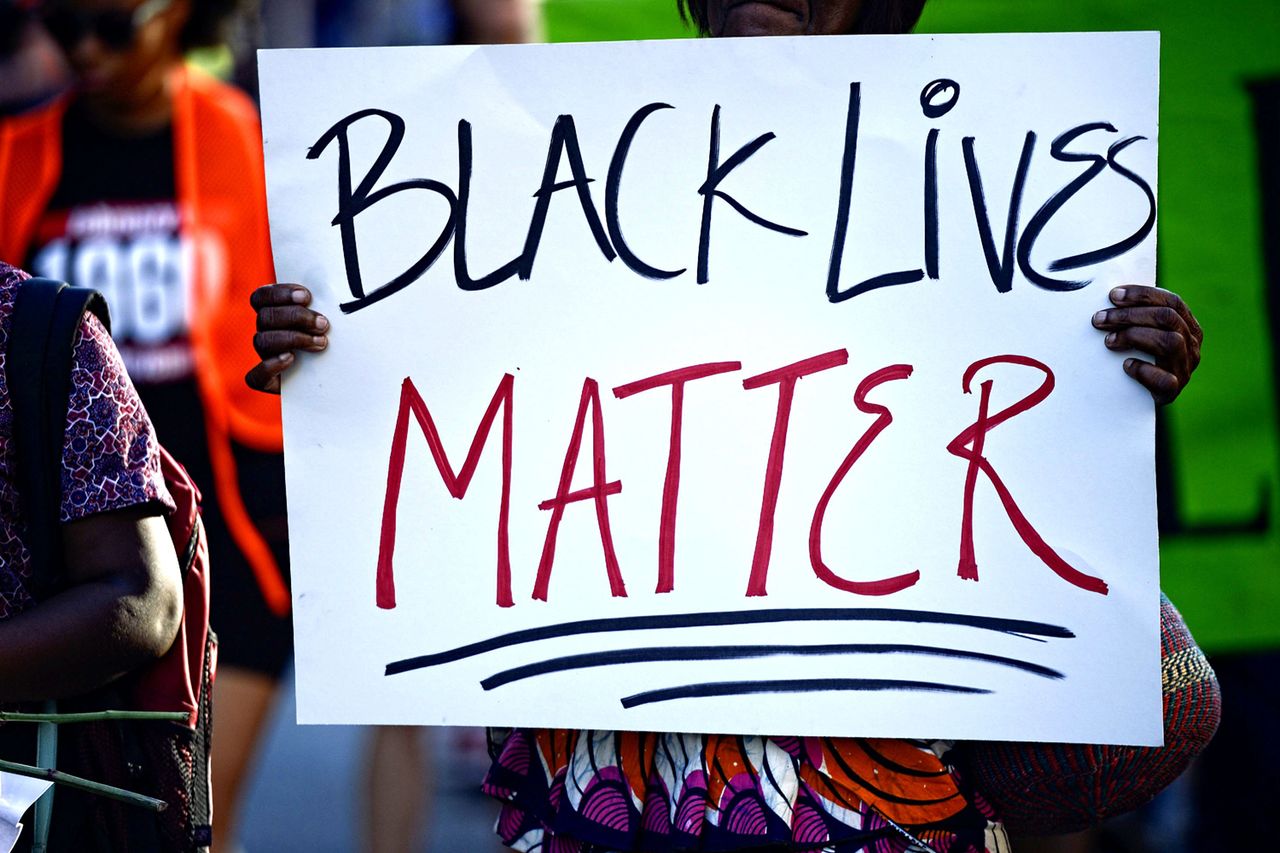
[
  {"x": 690, "y": 653},
  {"x": 1016, "y": 627},
  {"x": 801, "y": 685}
]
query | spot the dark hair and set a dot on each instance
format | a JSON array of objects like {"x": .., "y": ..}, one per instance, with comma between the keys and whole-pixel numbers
[
  {"x": 206, "y": 23},
  {"x": 876, "y": 16}
]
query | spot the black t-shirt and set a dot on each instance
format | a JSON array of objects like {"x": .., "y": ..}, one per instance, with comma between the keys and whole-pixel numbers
[{"x": 97, "y": 166}]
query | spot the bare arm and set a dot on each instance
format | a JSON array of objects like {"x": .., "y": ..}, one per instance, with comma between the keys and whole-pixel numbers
[{"x": 121, "y": 608}]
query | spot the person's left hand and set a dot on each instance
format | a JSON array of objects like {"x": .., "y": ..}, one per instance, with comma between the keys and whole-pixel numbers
[{"x": 1158, "y": 323}]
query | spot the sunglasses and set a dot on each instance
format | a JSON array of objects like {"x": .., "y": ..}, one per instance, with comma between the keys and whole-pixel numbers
[{"x": 115, "y": 28}]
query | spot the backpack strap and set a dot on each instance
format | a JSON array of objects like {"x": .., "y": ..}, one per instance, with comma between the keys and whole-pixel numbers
[{"x": 46, "y": 320}]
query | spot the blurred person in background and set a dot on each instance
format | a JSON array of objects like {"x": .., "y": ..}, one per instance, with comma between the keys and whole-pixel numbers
[
  {"x": 146, "y": 183},
  {"x": 362, "y": 23},
  {"x": 32, "y": 69}
]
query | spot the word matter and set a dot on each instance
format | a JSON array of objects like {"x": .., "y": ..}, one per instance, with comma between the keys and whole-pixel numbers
[{"x": 968, "y": 446}]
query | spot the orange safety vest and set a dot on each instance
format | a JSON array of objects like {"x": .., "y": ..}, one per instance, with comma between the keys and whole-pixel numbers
[{"x": 221, "y": 190}]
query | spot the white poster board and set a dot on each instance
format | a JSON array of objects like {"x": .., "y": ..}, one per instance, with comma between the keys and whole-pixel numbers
[
  {"x": 568, "y": 245},
  {"x": 17, "y": 794}
]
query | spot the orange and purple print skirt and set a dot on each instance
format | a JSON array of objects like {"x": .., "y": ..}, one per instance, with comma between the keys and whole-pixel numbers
[{"x": 567, "y": 791}]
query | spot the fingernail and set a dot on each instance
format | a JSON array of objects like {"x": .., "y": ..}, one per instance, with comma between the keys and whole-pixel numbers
[
  {"x": 1118, "y": 294},
  {"x": 299, "y": 296},
  {"x": 285, "y": 357},
  {"x": 1100, "y": 318},
  {"x": 1130, "y": 365},
  {"x": 1110, "y": 339},
  {"x": 322, "y": 323},
  {"x": 319, "y": 340}
]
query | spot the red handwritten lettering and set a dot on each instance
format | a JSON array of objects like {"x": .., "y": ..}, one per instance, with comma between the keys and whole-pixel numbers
[
  {"x": 885, "y": 586},
  {"x": 457, "y": 484},
  {"x": 785, "y": 378},
  {"x": 671, "y": 485},
  {"x": 975, "y": 436},
  {"x": 599, "y": 492}
]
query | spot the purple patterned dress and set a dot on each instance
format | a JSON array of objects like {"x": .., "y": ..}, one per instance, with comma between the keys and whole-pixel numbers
[{"x": 109, "y": 459}]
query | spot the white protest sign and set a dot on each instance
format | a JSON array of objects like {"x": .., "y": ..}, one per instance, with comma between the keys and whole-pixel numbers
[
  {"x": 17, "y": 794},
  {"x": 740, "y": 386}
]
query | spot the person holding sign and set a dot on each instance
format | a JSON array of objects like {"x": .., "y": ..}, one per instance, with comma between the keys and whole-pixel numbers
[
  {"x": 146, "y": 183},
  {"x": 578, "y": 790}
]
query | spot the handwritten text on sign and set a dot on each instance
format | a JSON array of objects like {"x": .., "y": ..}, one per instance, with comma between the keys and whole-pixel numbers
[{"x": 741, "y": 386}]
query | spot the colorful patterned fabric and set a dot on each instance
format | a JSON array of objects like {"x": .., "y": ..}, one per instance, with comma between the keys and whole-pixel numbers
[
  {"x": 1045, "y": 789},
  {"x": 109, "y": 459},
  {"x": 589, "y": 792}
]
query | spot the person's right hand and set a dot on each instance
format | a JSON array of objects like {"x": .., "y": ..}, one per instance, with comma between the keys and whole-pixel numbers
[{"x": 285, "y": 325}]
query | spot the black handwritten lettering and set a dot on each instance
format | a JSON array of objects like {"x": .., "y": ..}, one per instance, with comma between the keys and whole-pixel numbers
[
  {"x": 936, "y": 100},
  {"x": 613, "y": 187},
  {"x": 1097, "y": 164},
  {"x": 1003, "y": 255},
  {"x": 1097, "y": 256},
  {"x": 938, "y": 97},
  {"x": 1000, "y": 268},
  {"x": 931, "y": 205},
  {"x": 710, "y": 190},
  {"x": 834, "y": 293},
  {"x": 460, "y": 273},
  {"x": 352, "y": 203},
  {"x": 564, "y": 143}
]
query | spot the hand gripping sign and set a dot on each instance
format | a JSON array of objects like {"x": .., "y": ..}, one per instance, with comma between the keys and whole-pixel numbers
[{"x": 742, "y": 386}]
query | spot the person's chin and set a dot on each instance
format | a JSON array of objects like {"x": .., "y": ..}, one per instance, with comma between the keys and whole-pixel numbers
[{"x": 764, "y": 18}]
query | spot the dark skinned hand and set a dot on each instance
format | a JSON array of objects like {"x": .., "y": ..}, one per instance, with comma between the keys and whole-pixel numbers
[
  {"x": 285, "y": 325},
  {"x": 1157, "y": 323}
]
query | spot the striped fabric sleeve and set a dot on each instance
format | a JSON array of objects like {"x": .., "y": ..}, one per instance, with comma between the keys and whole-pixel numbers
[{"x": 1053, "y": 788}]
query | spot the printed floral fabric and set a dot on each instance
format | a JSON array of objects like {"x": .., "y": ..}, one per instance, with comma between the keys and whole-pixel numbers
[
  {"x": 567, "y": 791},
  {"x": 109, "y": 460}
]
